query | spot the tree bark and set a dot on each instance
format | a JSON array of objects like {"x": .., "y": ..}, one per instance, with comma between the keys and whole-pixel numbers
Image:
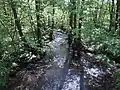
[
  {"x": 111, "y": 16},
  {"x": 49, "y": 21},
  {"x": 70, "y": 36},
  {"x": 75, "y": 14},
  {"x": 53, "y": 12},
  {"x": 71, "y": 14},
  {"x": 38, "y": 33},
  {"x": 79, "y": 48},
  {"x": 117, "y": 24}
]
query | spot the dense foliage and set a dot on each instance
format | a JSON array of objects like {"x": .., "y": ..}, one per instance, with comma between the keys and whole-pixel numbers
[{"x": 26, "y": 27}]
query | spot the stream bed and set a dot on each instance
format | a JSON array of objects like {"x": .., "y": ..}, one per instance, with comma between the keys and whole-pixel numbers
[
  {"x": 62, "y": 76},
  {"x": 63, "y": 73}
]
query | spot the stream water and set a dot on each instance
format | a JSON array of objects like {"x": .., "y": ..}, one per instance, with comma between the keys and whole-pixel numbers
[{"x": 61, "y": 76}]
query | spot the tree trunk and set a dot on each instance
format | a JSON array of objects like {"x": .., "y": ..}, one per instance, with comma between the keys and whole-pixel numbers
[
  {"x": 117, "y": 24},
  {"x": 49, "y": 21},
  {"x": 53, "y": 12},
  {"x": 79, "y": 48},
  {"x": 71, "y": 14},
  {"x": 38, "y": 33},
  {"x": 111, "y": 16},
  {"x": 75, "y": 14},
  {"x": 53, "y": 22},
  {"x": 70, "y": 36}
]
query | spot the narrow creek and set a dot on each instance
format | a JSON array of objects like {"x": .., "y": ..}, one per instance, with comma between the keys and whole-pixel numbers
[{"x": 62, "y": 76}]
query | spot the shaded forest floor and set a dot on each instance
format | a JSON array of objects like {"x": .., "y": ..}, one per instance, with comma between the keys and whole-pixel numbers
[
  {"x": 30, "y": 76},
  {"x": 98, "y": 75}
]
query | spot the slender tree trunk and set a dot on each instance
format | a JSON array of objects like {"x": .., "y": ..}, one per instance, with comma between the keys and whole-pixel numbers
[
  {"x": 70, "y": 36},
  {"x": 49, "y": 21},
  {"x": 71, "y": 14},
  {"x": 39, "y": 34},
  {"x": 117, "y": 24},
  {"x": 53, "y": 12},
  {"x": 75, "y": 14},
  {"x": 80, "y": 21},
  {"x": 53, "y": 22},
  {"x": 62, "y": 18},
  {"x": 95, "y": 17},
  {"x": 73, "y": 19},
  {"x": 111, "y": 16},
  {"x": 79, "y": 48}
]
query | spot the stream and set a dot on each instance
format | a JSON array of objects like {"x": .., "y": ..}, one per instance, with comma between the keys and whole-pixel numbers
[
  {"x": 62, "y": 71},
  {"x": 62, "y": 76}
]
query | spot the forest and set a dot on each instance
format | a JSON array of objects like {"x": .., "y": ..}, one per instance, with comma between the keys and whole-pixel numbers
[{"x": 59, "y": 44}]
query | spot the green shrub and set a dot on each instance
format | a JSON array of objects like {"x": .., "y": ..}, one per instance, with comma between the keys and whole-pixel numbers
[
  {"x": 117, "y": 77},
  {"x": 4, "y": 71}
]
